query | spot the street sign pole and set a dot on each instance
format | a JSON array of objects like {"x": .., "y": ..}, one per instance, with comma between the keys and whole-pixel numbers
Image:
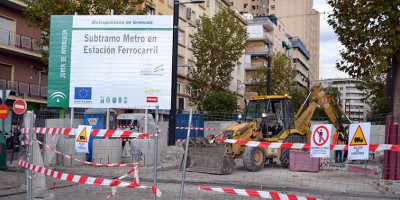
[{"x": 3, "y": 122}]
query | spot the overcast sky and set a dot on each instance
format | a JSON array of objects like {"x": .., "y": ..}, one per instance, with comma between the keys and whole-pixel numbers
[{"x": 329, "y": 45}]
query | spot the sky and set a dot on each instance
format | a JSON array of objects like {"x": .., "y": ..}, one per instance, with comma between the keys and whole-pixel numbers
[{"x": 329, "y": 45}]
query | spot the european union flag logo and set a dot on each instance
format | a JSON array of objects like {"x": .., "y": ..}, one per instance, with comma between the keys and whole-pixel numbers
[{"x": 83, "y": 93}]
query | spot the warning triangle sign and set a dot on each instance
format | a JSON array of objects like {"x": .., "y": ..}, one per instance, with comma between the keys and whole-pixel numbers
[
  {"x": 82, "y": 137},
  {"x": 358, "y": 138}
]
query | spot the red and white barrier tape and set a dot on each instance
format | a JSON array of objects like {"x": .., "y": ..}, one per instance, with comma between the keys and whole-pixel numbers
[
  {"x": 180, "y": 140},
  {"x": 277, "y": 145},
  {"x": 258, "y": 194},
  {"x": 81, "y": 161},
  {"x": 196, "y": 128},
  {"x": 95, "y": 132},
  {"x": 126, "y": 126},
  {"x": 87, "y": 179},
  {"x": 135, "y": 179}
]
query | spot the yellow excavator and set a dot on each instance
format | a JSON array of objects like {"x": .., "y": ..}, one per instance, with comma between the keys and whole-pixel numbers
[{"x": 267, "y": 118}]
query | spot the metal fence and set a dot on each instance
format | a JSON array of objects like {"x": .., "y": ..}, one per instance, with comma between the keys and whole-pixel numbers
[{"x": 304, "y": 177}]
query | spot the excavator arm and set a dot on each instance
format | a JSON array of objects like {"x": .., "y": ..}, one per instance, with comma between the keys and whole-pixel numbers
[{"x": 325, "y": 100}]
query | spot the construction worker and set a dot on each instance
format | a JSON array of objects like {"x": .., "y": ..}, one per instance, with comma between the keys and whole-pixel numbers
[
  {"x": 338, "y": 138},
  {"x": 346, "y": 142}
]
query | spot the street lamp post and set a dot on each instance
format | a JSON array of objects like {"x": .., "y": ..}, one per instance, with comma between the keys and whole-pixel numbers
[
  {"x": 172, "y": 114},
  {"x": 269, "y": 72}
]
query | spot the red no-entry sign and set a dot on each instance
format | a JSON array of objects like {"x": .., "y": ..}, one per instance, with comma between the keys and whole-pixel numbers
[
  {"x": 19, "y": 106},
  {"x": 3, "y": 111}
]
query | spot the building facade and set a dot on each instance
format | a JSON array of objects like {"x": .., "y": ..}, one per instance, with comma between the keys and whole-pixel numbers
[
  {"x": 22, "y": 72},
  {"x": 351, "y": 99},
  {"x": 301, "y": 62},
  {"x": 300, "y": 20},
  {"x": 189, "y": 21},
  {"x": 265, "y": 36}
]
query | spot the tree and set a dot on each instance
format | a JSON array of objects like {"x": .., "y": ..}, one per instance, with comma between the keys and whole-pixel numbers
[
  {"x": 376, "y": 96},
  {"x": 299, "y": 95},
  {"x": 219, "y": 104},
  {"x": 282, "y": 76},
  {"x": 370, "y": 34},
  {"x": 38, "y": 13},
  {"x": 217, "y": 46}
]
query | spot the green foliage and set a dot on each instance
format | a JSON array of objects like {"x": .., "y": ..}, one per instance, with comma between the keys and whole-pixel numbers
[
  {"x": 217, "y": 46},
  {"x": 282, "y": 76},
  {"x": 376, "y": 97},
  {"x": 319, "y": 113},
  {"x": 299, "y": 95},
  {"x": 217, "y": 104},
  {"x": 370, "y": 33},
  {"x": 38, "y": 13}
]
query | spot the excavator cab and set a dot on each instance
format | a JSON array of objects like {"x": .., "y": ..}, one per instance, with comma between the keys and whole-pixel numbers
[{"x": 273, "y": 113}]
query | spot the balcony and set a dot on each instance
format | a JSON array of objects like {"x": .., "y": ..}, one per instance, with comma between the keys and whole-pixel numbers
[
  {"x": 265, "y": 21},
  {"x": 253, "y": 66},
  {"x": 261, "y": 36},
  {"x": 19, "y": 45},
  {"x": 21, "y": 88}
]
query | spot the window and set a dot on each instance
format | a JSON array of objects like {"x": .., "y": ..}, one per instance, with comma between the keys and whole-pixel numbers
[
  {"x": 150, "y": 10},
  {"x": 239, "y": 68},
  {"x": 245, "y": 5},
  {"x": 171, "y": 3},
  {"x": 181, "y": 37},
  {"x": 6, "y": 28},
  {"x": 217, "y": 6},
  {"x": 5, "y": 72},
  {"x": 182, "y": 12},
  {"x": 180, "y": 61},
  {"x": 190, "y": 41},
  {"x": 179, "y": 87},
  {"x": 254, "y": 7},
  {"x": 181, "y": 103}
]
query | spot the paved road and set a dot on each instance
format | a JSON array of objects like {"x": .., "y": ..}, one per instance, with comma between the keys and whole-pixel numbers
[{"x": 337, "y": 184}]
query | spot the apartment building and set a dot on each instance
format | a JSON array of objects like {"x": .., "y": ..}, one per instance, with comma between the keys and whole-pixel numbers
[
  {"x": 266, "y": 35},
  {"x": 301, "y": 62},
  {"x": 189, "y": 21},
  {"x": 300, "y": 21},
  {"x": 21, "y": 70},
  {"x": 351, "y": 99}
]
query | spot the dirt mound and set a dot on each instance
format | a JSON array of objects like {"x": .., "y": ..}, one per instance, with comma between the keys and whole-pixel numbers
[{"x": 171, "y": 154}]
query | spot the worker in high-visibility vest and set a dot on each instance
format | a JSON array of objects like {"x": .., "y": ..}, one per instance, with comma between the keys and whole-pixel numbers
[{"x": 338, "y": 138}]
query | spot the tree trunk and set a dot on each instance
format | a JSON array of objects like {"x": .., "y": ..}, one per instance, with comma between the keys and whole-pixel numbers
[{"x": 396, "y": 85}]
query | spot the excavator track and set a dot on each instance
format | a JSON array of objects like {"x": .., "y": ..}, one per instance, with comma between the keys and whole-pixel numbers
[{"x": 208, "y": 157}]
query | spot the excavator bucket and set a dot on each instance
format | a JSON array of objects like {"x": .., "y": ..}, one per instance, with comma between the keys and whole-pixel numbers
[{"x": 208, "y": 157}]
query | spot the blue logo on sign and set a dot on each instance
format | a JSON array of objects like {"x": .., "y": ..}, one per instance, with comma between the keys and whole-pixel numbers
[{"x": 83, "y": 93}]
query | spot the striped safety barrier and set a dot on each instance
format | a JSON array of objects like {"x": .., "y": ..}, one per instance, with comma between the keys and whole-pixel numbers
[
  {"x": 95, "y": 132},
  {"x": 87, "y": 179},
  {"x": 135, "y": 179},
  {"x": 126, "y": 126},
  {"x": 25, "y": 142},
  {"x": 277, "y": 145},
  {"x": 256, "y": 193},
  {"x": 195, "y": 128}
]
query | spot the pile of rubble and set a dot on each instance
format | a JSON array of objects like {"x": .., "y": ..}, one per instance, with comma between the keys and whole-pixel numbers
[{"x": 171, "y": 154}]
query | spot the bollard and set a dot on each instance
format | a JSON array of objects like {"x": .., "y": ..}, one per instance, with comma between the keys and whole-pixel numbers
[
  {"x": 397, "y": 176},
  {"x": 392, "y": 155},
  {"x": 385, "y": 167},
  {"x": 3, "y": 153}
]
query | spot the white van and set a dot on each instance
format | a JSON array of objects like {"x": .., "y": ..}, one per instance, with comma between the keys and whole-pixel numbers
[{"x": 134, "y": 121}]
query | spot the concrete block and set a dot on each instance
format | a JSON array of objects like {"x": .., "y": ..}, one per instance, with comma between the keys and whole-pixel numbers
[
  {"x": 301, "y": 161},
  {"x": 67, "y": 146},
  {"x": 107, "y": 151},
  {"x": 146, "y": 146},
  {"x": 369, "y": 171}
]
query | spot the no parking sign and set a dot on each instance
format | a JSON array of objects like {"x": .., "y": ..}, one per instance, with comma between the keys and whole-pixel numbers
[{"x": 321, "y": 141}]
